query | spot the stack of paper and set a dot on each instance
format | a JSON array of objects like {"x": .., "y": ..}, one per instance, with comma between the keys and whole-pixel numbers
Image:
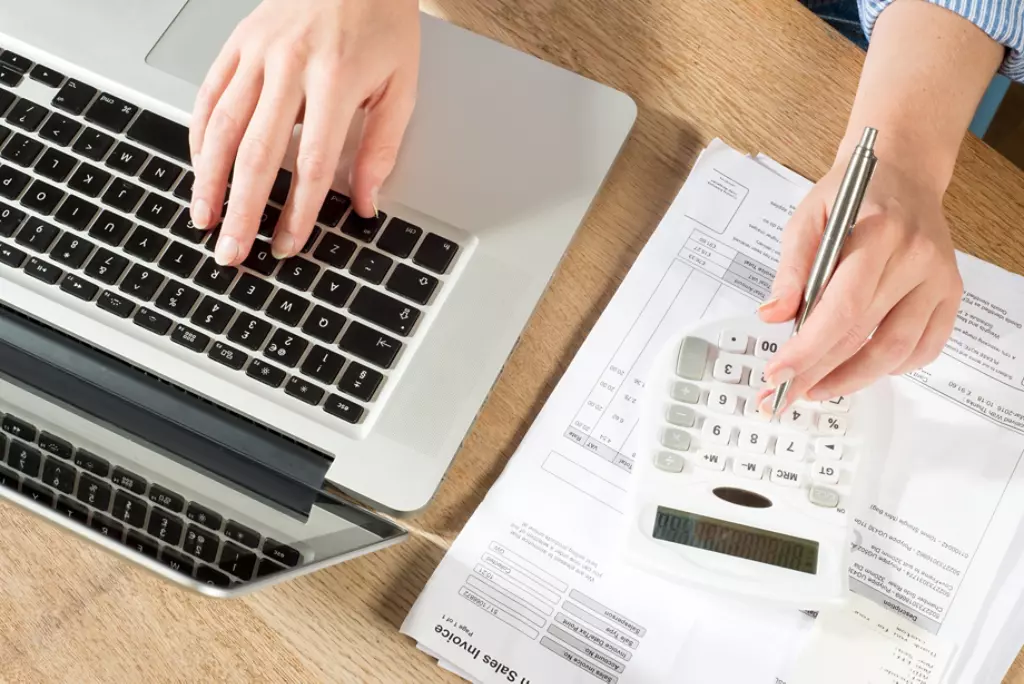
[{"x": 533, "y": 590}]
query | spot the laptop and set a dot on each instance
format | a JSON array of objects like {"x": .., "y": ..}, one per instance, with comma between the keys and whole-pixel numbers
[{"x": 232, "y": 428}]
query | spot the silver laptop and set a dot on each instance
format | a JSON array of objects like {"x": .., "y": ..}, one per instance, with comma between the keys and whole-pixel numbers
[{"x": 233, "y": 428}]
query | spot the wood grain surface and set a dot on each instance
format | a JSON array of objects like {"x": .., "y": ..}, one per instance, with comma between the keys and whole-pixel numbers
[{"x": 763, "y": 75}]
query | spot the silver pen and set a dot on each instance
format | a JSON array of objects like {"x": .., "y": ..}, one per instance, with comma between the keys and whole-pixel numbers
[{"x": 840, "y": 222}]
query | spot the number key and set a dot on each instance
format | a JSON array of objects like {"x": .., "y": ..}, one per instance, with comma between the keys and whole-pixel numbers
[
  {"x": 765, "y": 348},
  {"x": 797, "y": 417},
  {"x": 753, "y": 440},
  {"x": 716, "y": 432},
  {"x": 285, "y": 348},
  {"x": 721, "y": 401},
  {"x": 791, "y": 448},
  {"x": 727, "y": 370}
]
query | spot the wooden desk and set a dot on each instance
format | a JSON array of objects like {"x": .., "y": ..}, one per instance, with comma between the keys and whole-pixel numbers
[{"x": 742, "y": 70}]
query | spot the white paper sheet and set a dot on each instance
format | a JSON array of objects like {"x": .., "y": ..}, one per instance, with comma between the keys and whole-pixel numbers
[{"x": 532, "y": 589}]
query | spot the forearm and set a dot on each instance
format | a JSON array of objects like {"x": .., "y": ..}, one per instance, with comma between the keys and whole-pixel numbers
[{"x": 925, "y": 73}]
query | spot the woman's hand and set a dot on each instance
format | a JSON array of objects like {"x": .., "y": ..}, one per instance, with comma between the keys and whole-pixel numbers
[
  {"x": 897, "y": 273},
  {"x": 311, "y": 61}
]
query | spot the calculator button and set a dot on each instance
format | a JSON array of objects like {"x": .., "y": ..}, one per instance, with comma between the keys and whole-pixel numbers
[
  {"x": 832, "y": 425},
  {"x": 785, "y": 476},
  {"x": 798, "y": 418},
  {"x": 676, "y": 439},
  {"x": 686, "y": 392},
  {"x": 757, "y": 379},
  {"x": 791, "y": 448},
  {"x": 840, "y": 404},
  {"x": 732, "y": 341},
  {"x": 826, "y": 473},
  {"x": 712, "y": 460},
  {"x": 693, "y": 355},
  {"x": 753, "y": 441},
  {"x": 750, "y": 411},
  {"x": 721, "y": 401},
  {"x": 824, "y": 497},
  {"x": 715, "y": 432},
  {"x": 745, "y": 467},
  {"x": 831, "y": 449},
  {"x": 670, "y": 463},
  {"x": 765, "y": 348},
  {"x": 728, "y": 370},
  {"x": 683, "y": 416}
]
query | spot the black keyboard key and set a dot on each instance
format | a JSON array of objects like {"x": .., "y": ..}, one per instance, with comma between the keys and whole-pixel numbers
[
  {"x": 304, "y": 391},
  {"x": 198, "y": 513},
  {"x": 94, "y": 492},
  {"x": 93, "y": 144},
  {"x": 141, "y": 282},
  {"x": 412, "y": 284},
  {"x": 154, "y": 322},
  {"x": 122, "y": 307},
  {"x": 71, "y": 509},
  {"x": 145, "y": 244},
  {"x": 335, "y": 250},
  {"x": 260, "y": 259},
  {"x": 166, "y": 498},
  {"x": 360, "y": 382},
  {"x": 298, "y": 272},
  {"x": 89, "y": 180},
  {"x": 12, "y": 256},
  {"x": 110, "y": 228},
  {"x": 71, "y": 250},
  {"x": 237, "y": 561},
  {"x": 249, "y": 331},
  {"x": 37, "y": 235},
  {"x": 59, "y": 475},
  {"x": 129, "y": 509},
  {"x": 183, "y": 190},
  {"x": 106, "y": 266},
  {"x": 268, "y": 221},
  {"x": 281, "y": 553},
  {"x": 211, "y": 243},
  {"x": 213, "y": 315},
  {"x": 323, "y": 324},
  {"x": 177, "y": 299},
  {"x": 366, "y": 343},
  {"x": 311, "y": 240},
  {"x": 42, "y": 198},
  {"x": 175, "y": 561},
  {"x": 37, "y": 493},
  {"x": 60, "y": 129},
  {"x": 371, "y": 266},
  {"x": 15, "y": 61},
  {"x": 122, "y": 195},
  {"x": 201, "y": 544},
  {"x": 76, "y": 213},
  {"x": 186, "y": 230},
  {"x": 157, "y": 211},
  {"x": 214, "y": 277},
  {"x": 55, "y": 165},
  {"x": 160, "y": 174},
  {"x": 287, "y": 307},
  {"x": 436, "y": 253},
  {"x": 56, "y": 446},
  {"x": 400, "y": 238},
  {"x": 91, "y": 463},
  {"x": 385, "y": 311},
  {"x": 24, "y": 459},
  {"x": 141, "y": 543},
  {"x": 74, "y": 97},
  {"x": 46, "y": 76},
  {"x": 26, "y": 115},
  {"x": 9, "y": 479},
  {"x": 180, "y": 260},
  {"x": 285, "y": 348},
  {"x": 10, "y": 77},
  {"x": 19, "y": 428},
  {"x": 333, "y": 209},
  {"x": 282, "y": 186},
  {"x": 10, "y": 220},
  {"x": 12, "y": 182},
  {"x": 107, "y": 527},
  {"x": 323, "y": 365},
  {"x": 339, "y": 407},
  {"x": 77, "y": 287},
  {"x": 7, "y": 98},
  {"x": 364, "y": 229},
  {"x": 111, "y": 113},
  {"x": 269, "y": 375},
  {"x": 251, "y": 292},
  {"x": 190, "y": 339},
  {"x": 162, "y": 135},
  {"x": 165, "y": 527},
  {"x": 126, "y": 159},
  {"x": 41, "y": 270},
  {"x": 268, "y": 567},
  {"x": 242, "y": 534},
  {"x": 215, "y": 578},
  {"x": 21, "y": 150},
  {"x": 129, "y": 480},
  {"x": 228, "y": 356}
]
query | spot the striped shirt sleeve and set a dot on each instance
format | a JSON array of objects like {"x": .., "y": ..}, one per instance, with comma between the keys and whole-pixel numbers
[{"x": 1002, "y": 20}]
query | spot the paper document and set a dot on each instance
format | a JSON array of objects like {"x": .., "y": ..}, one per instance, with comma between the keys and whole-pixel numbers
[{"x": 533, "y": 590}]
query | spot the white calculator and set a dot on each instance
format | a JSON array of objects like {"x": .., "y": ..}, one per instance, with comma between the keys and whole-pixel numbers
[{"x": 724, "y": 498}]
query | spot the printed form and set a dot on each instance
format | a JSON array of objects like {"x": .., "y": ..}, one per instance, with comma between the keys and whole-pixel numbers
[{"x": 533, "y": 590}]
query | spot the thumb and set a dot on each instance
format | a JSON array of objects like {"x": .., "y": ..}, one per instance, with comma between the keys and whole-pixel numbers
[
  {"x": 384, "y": 127},
  {"x": 800, "y": 240}
]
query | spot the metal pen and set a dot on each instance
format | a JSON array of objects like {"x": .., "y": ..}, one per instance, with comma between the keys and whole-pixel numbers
[{"x": 840, "y": 222}]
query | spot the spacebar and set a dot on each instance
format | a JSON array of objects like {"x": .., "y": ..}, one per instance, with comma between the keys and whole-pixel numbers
[{"x": 162, "y": 135}]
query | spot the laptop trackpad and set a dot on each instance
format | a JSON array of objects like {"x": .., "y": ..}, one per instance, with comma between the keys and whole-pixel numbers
[{"x": 195, "y": 37}]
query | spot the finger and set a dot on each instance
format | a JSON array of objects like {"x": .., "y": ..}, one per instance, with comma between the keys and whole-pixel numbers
[
  {"x": 228, "y": 123},
  {"x": 891, "y": 345},
  {"x": 384, "y": 126},
  {"x": 217, "y": 78},
  {"x": 260, "y": 154},
  {"x": 800, "y": 240},
  {"x": 934, "y": 339}
]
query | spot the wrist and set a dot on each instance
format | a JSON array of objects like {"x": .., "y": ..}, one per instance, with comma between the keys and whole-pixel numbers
[{"x": 929, "y": 161}]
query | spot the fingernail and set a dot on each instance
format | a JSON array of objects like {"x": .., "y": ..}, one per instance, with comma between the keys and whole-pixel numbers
[
  {"x": 768, "y": 303},
  {"x": 819, "y": 394},
  {"x": 201, "y": 214},
  {"x": 779, "y": 376},
  {"x": 227, "y": 250},
  {"x": 283, "y": 246},
  {"x": 765, "y": 407},
  {"x": 373, "y": 200}
]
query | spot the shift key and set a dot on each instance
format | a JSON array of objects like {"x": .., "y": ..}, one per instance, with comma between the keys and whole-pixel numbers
[{"x": 162, "y": 135}]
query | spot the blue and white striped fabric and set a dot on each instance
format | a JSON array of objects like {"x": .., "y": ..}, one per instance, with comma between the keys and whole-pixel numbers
[{"x": 1002, "y": 20}]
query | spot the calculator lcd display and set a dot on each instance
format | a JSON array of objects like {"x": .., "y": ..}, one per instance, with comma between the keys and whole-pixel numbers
[{"x": 732, "y": 539}]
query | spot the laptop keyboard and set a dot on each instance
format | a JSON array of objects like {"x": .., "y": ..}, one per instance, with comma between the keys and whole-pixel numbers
[
  {"x": 148, "y": 518},
  {"x": 94, "y": 195}
]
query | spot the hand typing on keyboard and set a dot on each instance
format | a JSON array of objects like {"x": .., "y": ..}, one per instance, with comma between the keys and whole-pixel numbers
[{"x": 314, "y": 62}]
